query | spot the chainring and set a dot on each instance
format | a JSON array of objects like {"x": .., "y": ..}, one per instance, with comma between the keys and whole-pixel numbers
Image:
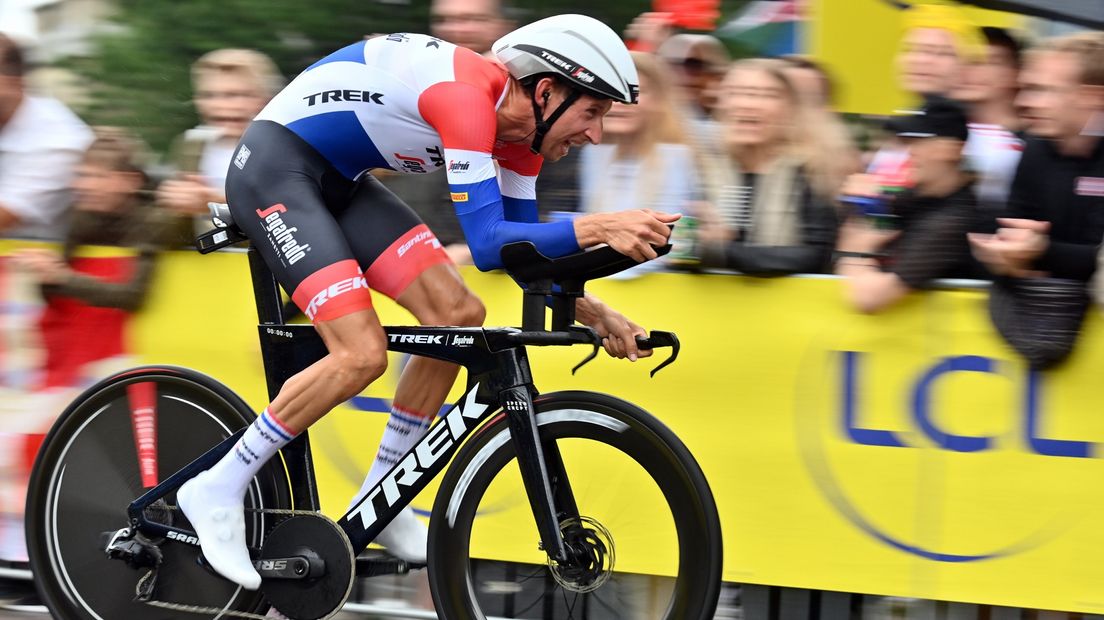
[{"x": 313, "y": 598}]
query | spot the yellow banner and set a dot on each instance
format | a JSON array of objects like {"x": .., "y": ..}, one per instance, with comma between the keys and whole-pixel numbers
[
  {"x": 908, "y": 454},
  {"x": 858, "y": 41}
]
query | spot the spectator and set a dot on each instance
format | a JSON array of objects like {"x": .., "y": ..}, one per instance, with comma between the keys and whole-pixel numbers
[
  {"x": 474, "y": 24},
  {"x": 88, "y": 300},
  {"x": 643, "y": 160},
  {"x": 938, "y": 41},
  {"x": 1045, "y": 252},
  {"x": 988, "y": 88},
  {"x": 231, "y": 87},
  {"x": 699, "y": 62},
  {"x": 932, "y": 219},
  {"x": 828, "y": 142},
  {"x": 772, "y": 221},
  {"x": 40, "y": 143}
]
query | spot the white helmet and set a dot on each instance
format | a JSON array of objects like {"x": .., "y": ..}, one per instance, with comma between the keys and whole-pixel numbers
[{"x": 586, "y": 52}]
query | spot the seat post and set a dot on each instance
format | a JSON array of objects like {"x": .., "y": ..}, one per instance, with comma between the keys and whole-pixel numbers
[{"x": 266, "y": 290}]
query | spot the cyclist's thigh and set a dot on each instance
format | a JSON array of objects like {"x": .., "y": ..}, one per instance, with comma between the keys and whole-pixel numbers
[
  {"x": 388, "y": 238},
  {"x": 278, "y": 198}
]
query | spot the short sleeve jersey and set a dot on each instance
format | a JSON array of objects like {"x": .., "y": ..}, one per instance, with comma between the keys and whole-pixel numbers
[{"x": 416, "y": 104}]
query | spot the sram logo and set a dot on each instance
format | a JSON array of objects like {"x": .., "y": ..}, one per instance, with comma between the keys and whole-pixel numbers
[
  {"x": 182, "y": 537},
  {"x": 437, "y": 443}
]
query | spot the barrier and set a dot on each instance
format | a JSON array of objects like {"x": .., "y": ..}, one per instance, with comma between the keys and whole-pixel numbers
[{"x": 906, "y": 454}]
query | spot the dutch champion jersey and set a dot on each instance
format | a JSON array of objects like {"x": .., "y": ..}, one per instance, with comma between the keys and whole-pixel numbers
[{"x": 415, "y": 104}]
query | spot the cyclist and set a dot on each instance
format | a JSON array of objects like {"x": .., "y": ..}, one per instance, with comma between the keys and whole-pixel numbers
[{"x": 299, "y": 187}]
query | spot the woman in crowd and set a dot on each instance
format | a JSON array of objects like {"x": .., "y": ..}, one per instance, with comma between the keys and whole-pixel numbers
[
  {"x": 774, "y": 217},
  {"x": 643, "y": 160}
]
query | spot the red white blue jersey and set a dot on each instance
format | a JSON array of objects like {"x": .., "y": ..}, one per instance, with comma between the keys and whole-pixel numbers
[{"x": 415, "y": 104}]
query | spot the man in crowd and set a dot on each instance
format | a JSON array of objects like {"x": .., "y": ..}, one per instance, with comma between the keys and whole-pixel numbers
[
  {"x": 41, "y": 142},
  {"x": 1045, "y": 251},
  {"x": 932, "y": 219}
]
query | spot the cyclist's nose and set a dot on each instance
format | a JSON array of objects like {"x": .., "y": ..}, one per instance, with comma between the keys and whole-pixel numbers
[{"x": 594, "y": 132}]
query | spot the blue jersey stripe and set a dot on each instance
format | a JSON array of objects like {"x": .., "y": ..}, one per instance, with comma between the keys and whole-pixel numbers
[
  {"x": 350, "y": 53},
  {"x": 520, "y": 209},
  {"x": 341, "y": 139}
]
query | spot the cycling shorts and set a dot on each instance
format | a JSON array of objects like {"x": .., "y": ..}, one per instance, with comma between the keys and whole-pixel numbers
[{"x": 327, "y": 239}]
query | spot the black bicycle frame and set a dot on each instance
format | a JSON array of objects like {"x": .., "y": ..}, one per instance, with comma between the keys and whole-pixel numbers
[{"x": 499, "y": 379}]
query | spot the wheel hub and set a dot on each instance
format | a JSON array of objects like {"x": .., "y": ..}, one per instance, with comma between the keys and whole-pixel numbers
[{"x": 591, "y": 556}]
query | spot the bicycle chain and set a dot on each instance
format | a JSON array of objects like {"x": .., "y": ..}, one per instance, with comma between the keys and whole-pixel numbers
[{"x": 199, "y": 609}]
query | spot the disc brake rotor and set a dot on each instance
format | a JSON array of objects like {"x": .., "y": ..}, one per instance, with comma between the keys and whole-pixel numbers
[{"x": 590, "y": 546}]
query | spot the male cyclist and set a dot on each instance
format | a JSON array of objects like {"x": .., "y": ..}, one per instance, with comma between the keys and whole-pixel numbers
[{"x": 299, "y": 188}]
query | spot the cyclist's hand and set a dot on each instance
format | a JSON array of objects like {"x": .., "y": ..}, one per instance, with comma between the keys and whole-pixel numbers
[
  {"x": 632, "y": 233},
  {"x": 618, "y": 333}
]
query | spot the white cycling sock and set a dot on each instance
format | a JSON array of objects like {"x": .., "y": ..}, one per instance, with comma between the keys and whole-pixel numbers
[
  {"x": 404, "y": 429},
  {"x": 212, "y": 500},
  {"x": 261, "y": 441}
]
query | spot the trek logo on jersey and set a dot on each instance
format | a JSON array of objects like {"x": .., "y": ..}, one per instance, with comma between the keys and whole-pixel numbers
[
  {"x": 334, "y": 290},
  {"x": 459, "y": 196},
  {"x": 1090, "y": 186},
  {"x": 459, "y": 166},
  {"x": 435, "y": 156},
  {"x": 242, "y": 157},
  {"x": 327, "y": 96},
  {"x": 281, "y": 236},
  {"x": 425, "y": 237},
  {"x": 411, "y": 164}
]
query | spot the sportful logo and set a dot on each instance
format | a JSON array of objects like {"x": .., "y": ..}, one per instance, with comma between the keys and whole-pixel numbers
[
  {"x": 333, "y": 290},
  {"x": 437, "y": 442},
  {"x": 242, "y": 157},
  {"x": 281, "y": 236}
]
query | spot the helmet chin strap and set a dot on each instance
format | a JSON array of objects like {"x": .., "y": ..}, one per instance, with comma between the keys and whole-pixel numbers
[{"x": 543, "y": 125}]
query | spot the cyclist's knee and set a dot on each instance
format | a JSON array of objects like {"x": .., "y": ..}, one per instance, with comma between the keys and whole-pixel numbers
[
  {"x": 461, "y": 308},
  {"x": 468, "y": 311},
  {"x": 357, "y": 368}
]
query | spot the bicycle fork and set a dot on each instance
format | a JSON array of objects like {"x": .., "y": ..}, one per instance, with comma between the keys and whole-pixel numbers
[{"x": 542, "y": 472}]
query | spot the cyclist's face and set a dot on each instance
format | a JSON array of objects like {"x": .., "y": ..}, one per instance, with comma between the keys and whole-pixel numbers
[
  {"x": 928, "y": 62},
  {"x": 101, "y": 189},
  {"x": 228, "y": 102},
  {"x": 755, "y": 107},
  {"x": 993, "y": 79},
  {"x": 580, "y": 124}
]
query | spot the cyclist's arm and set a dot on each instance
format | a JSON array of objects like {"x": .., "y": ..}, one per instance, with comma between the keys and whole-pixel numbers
[{"x": 465, "y": 119}]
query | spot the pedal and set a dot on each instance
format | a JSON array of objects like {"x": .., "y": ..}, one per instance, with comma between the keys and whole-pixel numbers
[
  {"x": 327, "y": 566},
  {"x": 375, "y": 563}
]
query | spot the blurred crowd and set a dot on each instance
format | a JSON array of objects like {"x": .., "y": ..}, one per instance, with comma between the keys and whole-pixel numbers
[{"x": 996, "y": 173}]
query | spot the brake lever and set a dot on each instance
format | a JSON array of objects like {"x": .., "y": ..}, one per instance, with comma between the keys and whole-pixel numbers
[
  {"x": 660, "y": 339},
  {"x": 587, "y": 359}
]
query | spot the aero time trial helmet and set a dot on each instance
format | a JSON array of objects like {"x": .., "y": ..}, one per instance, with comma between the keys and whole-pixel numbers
[{"x": 584, "y": 51}]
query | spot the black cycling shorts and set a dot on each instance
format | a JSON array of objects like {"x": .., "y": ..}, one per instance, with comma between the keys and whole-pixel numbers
[{"x": 326, "y": 238}]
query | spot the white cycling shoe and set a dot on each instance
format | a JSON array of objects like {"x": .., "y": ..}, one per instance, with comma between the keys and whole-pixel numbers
[
  {"x": 406, "y": 537},
  {"x": 219, "y": 524}
]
